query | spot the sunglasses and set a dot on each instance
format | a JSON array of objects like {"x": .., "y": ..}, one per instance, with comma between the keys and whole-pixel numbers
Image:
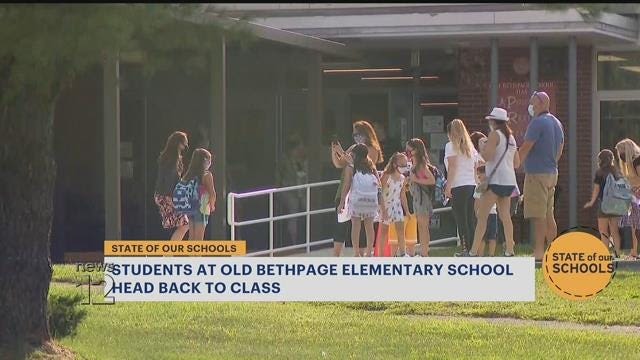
[{"x": 537, "y": 95}]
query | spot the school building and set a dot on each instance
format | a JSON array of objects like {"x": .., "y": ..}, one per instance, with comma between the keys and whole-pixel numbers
[{"x": 314, "y": 70}]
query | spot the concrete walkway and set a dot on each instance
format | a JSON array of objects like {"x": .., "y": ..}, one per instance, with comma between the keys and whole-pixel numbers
[{"x": 618, "y": 329}]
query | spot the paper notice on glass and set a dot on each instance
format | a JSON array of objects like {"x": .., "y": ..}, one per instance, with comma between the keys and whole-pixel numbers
[{"x": 432, "y": 123}]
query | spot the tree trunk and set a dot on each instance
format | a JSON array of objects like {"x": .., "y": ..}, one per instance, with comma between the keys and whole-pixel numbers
[{"x": 27, "y": 174}]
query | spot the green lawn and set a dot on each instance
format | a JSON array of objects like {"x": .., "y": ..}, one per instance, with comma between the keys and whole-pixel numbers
[
  {"x": 618, "y": 304},
  {"x": 308, "y": 331},
  {"x": 69, "y": 273}
]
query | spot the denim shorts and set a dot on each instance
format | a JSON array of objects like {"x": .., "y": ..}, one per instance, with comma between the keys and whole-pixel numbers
[
  {"x": 502, "y": 190},
  {"x": 492, "y": 227},
  {"x": 199, "y": 218}
]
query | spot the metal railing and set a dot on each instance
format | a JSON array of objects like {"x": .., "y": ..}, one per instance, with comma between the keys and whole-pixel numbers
[{"x": 231, "y": 218}]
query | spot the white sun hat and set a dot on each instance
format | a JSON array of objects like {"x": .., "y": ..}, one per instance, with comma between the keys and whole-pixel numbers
[{"x": 499, "y": 114}]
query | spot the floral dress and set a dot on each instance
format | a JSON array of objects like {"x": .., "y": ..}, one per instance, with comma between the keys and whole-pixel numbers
[{"x": 392, "y": 196}]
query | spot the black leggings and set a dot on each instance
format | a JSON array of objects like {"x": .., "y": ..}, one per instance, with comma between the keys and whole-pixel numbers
[{"x": 462, "y": 204}]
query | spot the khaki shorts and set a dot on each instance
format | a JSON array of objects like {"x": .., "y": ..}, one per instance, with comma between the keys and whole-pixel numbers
[{"x": 539, "y": 191}]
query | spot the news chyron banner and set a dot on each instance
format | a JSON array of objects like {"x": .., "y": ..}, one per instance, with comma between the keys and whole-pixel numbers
[
  {"x": 576, "y": 266},
  {"x": 217, "y": 271}
]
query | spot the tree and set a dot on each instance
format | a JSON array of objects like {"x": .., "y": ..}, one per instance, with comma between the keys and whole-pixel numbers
[
  {"x": 43, "y": 48},
  {"x": 587, "y": 10}
]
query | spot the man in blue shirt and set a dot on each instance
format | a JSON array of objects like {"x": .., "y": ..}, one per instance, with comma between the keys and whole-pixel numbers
[{"x": 540, "y": 153}]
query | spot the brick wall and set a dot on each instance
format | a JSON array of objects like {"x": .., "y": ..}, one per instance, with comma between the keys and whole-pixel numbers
[{"x": 474, "y": 98}]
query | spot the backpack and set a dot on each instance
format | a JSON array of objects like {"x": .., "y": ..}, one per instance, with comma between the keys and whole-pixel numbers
[
  {"x": 616, "y": 196},
  {"x": 185, "y": 197},
  {"x": 436, "y": 192}
]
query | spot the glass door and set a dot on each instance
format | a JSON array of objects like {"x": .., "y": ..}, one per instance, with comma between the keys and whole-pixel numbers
[{"x": 291, "y": 134}]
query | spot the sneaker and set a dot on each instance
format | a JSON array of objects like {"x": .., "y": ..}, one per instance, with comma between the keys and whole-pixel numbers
[
  {"x": 508, "y": 255},
  {"x": 417, "y": 255},
  {"x": 463, "y": 253},
  {"x": 468, "y": 254},
  {"x": 406, "y": 255}
]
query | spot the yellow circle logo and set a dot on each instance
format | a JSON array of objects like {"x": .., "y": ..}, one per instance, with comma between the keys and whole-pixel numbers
[{"x": 578, "y": 265}]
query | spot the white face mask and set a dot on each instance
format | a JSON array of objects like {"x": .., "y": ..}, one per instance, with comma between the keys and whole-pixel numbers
[
  {"x": 530, "y": 110},
  {"x": 207, "y": 164},
  {"x": 404, "y": 169},
  {"x": 359, "y": 138}
]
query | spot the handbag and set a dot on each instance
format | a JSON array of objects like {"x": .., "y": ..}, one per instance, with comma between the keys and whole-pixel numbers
[{"x": 484, "y": 185}]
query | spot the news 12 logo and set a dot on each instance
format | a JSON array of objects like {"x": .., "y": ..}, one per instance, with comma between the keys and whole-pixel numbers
[{"x": 95, "y": 294}]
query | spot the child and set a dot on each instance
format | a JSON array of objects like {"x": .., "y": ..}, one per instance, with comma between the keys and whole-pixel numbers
[
  {"x": 394, "y": 201},
  {"x": 607, "y": 223},
  {"x": 421, "y": 176},
  {"x": 198, "y": 182},
  {"x": 362, "y": 182},
  {"x": 491, "y": 235}
]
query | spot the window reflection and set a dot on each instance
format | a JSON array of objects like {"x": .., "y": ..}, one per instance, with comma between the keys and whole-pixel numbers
[{"x": 618, "y": 70}]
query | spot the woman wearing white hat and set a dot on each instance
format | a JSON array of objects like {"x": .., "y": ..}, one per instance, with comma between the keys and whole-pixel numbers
[{"x": 499, "y": 151}]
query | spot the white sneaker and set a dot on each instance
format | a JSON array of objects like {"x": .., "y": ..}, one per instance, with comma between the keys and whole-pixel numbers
[
  {"x": 406, "y": 255},
  {"x": 417, "y": 255}
]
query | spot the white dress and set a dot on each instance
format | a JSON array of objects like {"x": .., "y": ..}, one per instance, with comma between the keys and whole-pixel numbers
[
  {"x": 391, "y": 194},
  {"x": 363, "y": 196}
]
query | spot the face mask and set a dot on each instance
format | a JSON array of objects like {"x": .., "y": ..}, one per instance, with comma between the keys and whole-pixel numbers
[
  {"x": 207, "y": 164},
  {"x": 358, "y": 138},
  {"x": 404, "y": 169},
  {"x": 408, "y": 154},
  {"x": 530, "y": 110},
  {"x": 623, "y": 157},
  {"x": 492, "y": 127}
]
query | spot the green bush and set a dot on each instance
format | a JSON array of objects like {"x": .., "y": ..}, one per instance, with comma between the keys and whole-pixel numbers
[{"x": 65, "y": 313}]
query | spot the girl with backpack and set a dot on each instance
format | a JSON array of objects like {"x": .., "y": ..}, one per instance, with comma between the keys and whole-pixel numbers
[
  {"x": 607, "y": 223},
  {"x": 394, "y": 201},
  {"x": 421, "y": 177},
  {"x": 363, "y": 133},
  {"x": 629, "y": 155},
  {"x": 499, "y": 150},
  {"x": 195, "y": 194},
  {"x": 460, "y": 158},
  {"x": 361, "y": 181},
  {"x": 170, "y": 168}
]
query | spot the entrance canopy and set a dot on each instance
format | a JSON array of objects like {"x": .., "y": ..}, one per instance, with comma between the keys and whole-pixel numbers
[
  {"x": 402, "y": 24},
  {"x": 296, "y": 39}
]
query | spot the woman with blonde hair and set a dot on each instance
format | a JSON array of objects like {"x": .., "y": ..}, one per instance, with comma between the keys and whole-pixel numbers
[
  {"x": 460, "y": 158},
  {"x": 629, "y": 162}
]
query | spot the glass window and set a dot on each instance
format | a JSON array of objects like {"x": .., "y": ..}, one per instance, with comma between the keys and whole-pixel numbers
[
  {"x": 619, "y": 70},
  {"x": 618, "y": 120}
]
